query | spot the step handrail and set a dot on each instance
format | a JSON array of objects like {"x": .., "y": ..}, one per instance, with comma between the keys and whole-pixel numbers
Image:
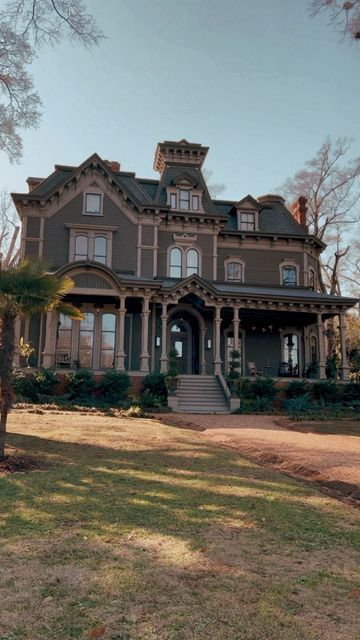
[{"x": 224, "y": 385}]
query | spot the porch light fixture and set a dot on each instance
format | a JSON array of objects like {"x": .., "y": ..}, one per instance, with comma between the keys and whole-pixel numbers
[
  {"x": 97, "y": 306},
  {"x": 157, "y": 341},
  {"x": 208, "y": 343}
]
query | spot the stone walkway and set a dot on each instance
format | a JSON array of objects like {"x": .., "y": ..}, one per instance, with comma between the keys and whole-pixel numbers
[{"x": 331, "y": 460}]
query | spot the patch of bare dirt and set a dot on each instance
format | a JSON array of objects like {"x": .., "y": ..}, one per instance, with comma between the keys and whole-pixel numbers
[
  {"x": 19, "y": 464},
  {"x": 330, "y": 461}
]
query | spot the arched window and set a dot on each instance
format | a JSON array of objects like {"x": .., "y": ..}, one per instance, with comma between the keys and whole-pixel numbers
[
  {"x": 312, "y": 279},
  {"x": 234, "y": 271},
  {"x": 192, "y": 262},
  {"x": 175, "y": 263},
  {"x": 81, "y": 248},
  {"x": 289, "y": 276},
  {"x": 100, "y": 249}
]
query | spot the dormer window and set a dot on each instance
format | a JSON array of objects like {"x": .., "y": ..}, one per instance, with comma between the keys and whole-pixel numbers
[
  {"x": 185, "y": 195},
  {"x": 246, "y": 221},
  {"x": 184, "y": 199}
]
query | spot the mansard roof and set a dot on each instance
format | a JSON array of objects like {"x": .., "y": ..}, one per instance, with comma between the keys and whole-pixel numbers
[{"x": 146, "y": 194}]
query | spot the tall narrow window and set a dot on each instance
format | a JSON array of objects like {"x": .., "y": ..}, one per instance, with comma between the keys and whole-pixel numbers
[
  {"x": 173, "y": 200},
  {"x": 86, "y": 340},
  {"x": 175, "y": 263},
  {"x": 192, "y": 262},
  {"x": 184, "y": 199},
  {"x": 100, "y": 249},
  {"x": 289, "y": 276},
  {"x": 234, "y": 271},
  {"x": 81, "y": 248},
  {"x": 107, "y": 347},
  {"x": 63, "y": 347},
  {"x": 313, "y": 349},
  {"x": 312, "y": 279},
  {"x": 247, "y": 221},
  {"x": 195, "y": 203},
  {"x": 291, "y": 353}
]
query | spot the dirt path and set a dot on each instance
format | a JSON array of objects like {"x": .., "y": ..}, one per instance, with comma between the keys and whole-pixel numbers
[{"x": 332, "y": 461}]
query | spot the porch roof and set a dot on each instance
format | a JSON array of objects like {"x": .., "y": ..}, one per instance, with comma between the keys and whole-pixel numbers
[{"x": 300, "y": 295}]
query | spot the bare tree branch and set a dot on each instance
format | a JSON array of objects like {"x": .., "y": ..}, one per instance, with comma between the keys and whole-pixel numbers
[
  {"x": 26, "y": 25},
  {"x": 345, "y": 16},
  {"x": 331, "y": 184}
]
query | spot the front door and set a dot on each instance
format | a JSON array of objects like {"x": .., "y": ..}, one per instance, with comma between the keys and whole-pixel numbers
[{"x": 180, "y": 339}]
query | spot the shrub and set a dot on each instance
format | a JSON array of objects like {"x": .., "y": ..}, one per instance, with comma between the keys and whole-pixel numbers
[
  {"x": 233, "y": 377},
  {"x": 255, "y": 405},
  {"x": 350, "y": 392},
  {"x": 155, "y": 384},
  {"x": 36, "y": 384},
  {"x": 297, "y": 388},
  {"x": 245, "y": 390},
  {"x": 80, "y": 384},
  {"x": 264, "y": 388},
  {"x": 327, "y": 392},
  {"x": 332, "y": 366},
  {"x": 114, "y": 386},
  {"x": 149, "y": 399},
  {"x": 297, "y": 406}
]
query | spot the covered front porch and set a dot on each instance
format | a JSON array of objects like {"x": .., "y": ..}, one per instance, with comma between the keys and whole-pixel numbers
[{"x": 131, "y": 325}]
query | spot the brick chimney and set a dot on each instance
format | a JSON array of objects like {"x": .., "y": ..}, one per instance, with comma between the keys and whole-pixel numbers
[
  {"x": 114, "y": 165},
  {"x": 299, "y": 211}
]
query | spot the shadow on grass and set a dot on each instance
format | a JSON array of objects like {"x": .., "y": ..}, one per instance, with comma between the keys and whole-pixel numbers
[{"x": 179, "y": 492}]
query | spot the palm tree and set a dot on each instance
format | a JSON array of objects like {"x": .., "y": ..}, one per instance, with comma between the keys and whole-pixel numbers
[{"x": 25, "y": 289}]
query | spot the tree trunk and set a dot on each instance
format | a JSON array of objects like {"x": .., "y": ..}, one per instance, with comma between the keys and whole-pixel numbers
[{"x": 7, "y": 335}]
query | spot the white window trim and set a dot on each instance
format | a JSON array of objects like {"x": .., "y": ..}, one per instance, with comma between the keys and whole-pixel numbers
[
  {"x": 91, "y": 232},
  {"x": 238, "y": 261},
  {"x": 289, "y": 263},
  {"x": 298, "y": 334},
  {"x": 184, "y": 251},
  {"x": 93, "y": 191},
  {"x": 256, "y": 220},
  {"x": 96, "y": 349},
  {"x": 193, "y": 192}
]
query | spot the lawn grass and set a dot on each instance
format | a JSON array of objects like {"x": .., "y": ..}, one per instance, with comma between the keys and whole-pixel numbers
[{"x": 136, "y": 530}]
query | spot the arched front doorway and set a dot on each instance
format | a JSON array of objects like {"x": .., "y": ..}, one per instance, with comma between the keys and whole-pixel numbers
[{"x": 184, "y": 337}]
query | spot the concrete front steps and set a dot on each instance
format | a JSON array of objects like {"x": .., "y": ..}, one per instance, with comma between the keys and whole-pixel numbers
[{"x": 200, "y": 394}]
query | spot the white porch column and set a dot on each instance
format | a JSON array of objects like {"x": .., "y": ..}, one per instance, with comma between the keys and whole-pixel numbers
[
  {"x": 217, "y": 323},
  {"x": 236, "y": 323},
  {"x": 164, "y": 356},
  {"x": 50, "y": 339},
  {"x": 321, "y": 341},
  {"x": 344, "y": 367},
  {"x": 120, "y": 354},
  {"x": 16, "y": 358},
  {"x": 144, "y": 355}
]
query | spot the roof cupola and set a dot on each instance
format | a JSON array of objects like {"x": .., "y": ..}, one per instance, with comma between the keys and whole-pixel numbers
[{"x": 179, "y": 153}]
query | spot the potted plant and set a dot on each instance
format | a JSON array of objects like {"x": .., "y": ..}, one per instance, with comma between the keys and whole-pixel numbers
[{"x": 26, "y": 350}]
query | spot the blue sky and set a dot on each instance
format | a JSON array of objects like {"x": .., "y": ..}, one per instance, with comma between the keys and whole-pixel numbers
[{"x": 261, "y": 84}]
